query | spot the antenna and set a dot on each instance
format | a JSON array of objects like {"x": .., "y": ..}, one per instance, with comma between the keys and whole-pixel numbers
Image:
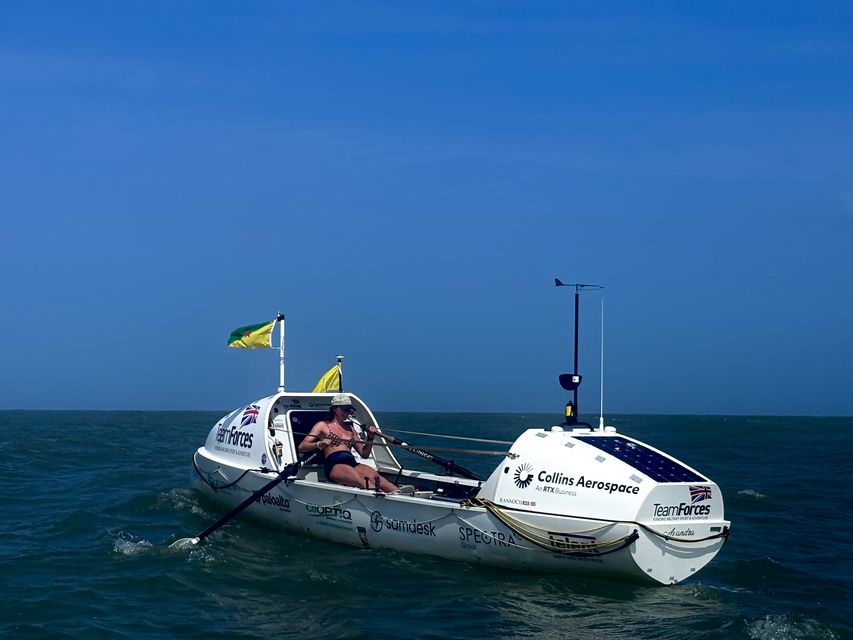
[
  {"x": 601, "y": 405},
  {"x": 571, "y": 382}
]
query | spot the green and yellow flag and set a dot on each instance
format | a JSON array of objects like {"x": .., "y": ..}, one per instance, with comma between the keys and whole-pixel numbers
[
  {"x": 329, "y": 381},
  {"x": 253, "y": 336}
]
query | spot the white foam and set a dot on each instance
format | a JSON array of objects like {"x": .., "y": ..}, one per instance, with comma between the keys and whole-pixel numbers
[
  {"x": 129, "y": 547},
  {"x": 177, "y": 500},
  {"x": 750, "y": 493},
  {"x": 783, "y": 627}
]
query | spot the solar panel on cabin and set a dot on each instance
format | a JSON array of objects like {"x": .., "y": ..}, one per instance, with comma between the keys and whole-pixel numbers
[{"x": 659, "y": 468}]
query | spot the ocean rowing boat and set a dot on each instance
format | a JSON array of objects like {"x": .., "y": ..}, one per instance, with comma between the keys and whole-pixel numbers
[{"x": 569, "y": 498}]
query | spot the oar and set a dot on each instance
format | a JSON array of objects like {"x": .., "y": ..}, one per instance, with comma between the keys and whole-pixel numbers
[
  {"x": 448, "y": 465},
  {"x": 288, "y": 471}
]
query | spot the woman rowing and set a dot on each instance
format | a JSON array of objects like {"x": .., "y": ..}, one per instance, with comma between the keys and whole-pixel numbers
[{"x": 334, "y": 437}]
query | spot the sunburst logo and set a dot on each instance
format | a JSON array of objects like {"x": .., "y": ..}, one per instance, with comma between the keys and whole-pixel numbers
[{"x": 523, "y": 475}]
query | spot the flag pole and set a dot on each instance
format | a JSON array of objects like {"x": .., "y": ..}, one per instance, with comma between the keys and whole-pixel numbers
[
  {"x": 340, "y": 374},
  {"x": 280, "y": 319}
]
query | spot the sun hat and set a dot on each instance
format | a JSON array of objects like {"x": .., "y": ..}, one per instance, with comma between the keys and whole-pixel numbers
[{"x": 341, "y": 400}]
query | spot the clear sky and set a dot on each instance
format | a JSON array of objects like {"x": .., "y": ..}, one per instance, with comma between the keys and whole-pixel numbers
[{"x": 405, "y": 179}]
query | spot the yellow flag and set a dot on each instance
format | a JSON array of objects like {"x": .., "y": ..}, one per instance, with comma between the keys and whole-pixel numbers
[{"x": 329, "y": 381}]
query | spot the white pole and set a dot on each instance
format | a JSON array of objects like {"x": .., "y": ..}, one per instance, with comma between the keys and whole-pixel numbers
[
  {"x": 280, "y": 319},
  {"x": 601, "y": 405}
]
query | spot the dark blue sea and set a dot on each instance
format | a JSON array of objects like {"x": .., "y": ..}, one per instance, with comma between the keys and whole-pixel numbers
[{"x": 91, "y": 500}]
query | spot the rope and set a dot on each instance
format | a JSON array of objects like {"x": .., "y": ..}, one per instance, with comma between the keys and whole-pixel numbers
[
  {"x": 487, "y": 533},
  {"x": 532, "y": 534},
  {"x": 723, "y": 534},
  {"x": 387, "y": 517},
  {"x": 524, "y": 526},
  {"x": 217, "y": 487},
  {"x": 324, "y": 506}
]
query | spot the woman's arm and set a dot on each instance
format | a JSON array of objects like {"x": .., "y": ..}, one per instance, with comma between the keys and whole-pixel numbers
[
  {"x": 314, "y": 439},
  {"x": 364, "y": 448}
]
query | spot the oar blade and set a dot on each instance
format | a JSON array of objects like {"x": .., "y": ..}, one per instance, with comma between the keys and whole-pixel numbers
[{"x": 184, "y": 543}]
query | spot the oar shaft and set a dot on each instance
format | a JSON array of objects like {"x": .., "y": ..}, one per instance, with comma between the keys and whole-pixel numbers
[
  {"x": 285, "y": 473},
  {"x": 449, "y": 437},
  {"x": 447, "y": 464},
  {"x": 405, "y": 445}
]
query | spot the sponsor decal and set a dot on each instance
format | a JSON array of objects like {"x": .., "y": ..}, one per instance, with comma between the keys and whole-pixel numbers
[
  {"x": 545, "y": 488},
  {"x": 698, "y": 494},
  {"x": 523, "y": 503},
  {"x": 282, "y": 502},
  {"x": 692, "y": 509},
  {"x": 523, "y": 475},
  {"x": 680, "y": 533},
  {"x": 557, "y": 482},
  {"x": 234, "y": 437},
  {"x": 264, "y": 459},
  {"x": 378, "y": 522},
  {"x": 609, "y": 487},
  {"x": 572, "y": 543},
  {"x": 679, "y": 511},
  {"x": 335, "y": 513},
  {"x": 470, "y": 537},
  {"x": 250, "y": 415}
]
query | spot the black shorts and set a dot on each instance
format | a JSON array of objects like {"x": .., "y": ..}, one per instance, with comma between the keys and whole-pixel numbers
[{"x": 338, "y": 457}]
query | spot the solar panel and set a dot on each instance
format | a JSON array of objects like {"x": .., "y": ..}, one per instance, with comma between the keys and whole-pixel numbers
[{"x": 643, "y": 459}]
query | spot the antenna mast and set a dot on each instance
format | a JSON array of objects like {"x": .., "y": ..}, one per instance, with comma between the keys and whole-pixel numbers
[
  {"x": 571, "y": 382},
  {"x": 601, "y": 405}
]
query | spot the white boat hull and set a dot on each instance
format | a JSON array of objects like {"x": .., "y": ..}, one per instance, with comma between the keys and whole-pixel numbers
[{"x": 462, "y": 531}]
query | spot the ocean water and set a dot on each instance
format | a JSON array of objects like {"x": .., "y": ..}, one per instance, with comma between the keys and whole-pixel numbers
[{"x": 91, "y": 501}]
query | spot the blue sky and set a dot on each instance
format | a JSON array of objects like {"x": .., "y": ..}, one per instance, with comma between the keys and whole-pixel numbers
[{"x": 404, "y": 180}]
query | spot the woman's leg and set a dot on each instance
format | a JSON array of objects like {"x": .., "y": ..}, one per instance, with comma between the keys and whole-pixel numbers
[
  {"x": 371, "y": 473},
  {"x": 350, "y": 476},
  {"x": 354, "y": 477}
]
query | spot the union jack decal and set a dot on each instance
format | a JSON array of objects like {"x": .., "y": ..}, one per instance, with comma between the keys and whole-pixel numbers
[
  {"x": 698, "y": 494},
  {"x": 250, "y": 416}
]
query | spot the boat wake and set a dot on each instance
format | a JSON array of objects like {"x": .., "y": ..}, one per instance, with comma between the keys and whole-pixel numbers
[
  {"x": 127, "y": 544},
  {"x": 787, "y": 627},
  {"x": 181, "y": 501}
]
